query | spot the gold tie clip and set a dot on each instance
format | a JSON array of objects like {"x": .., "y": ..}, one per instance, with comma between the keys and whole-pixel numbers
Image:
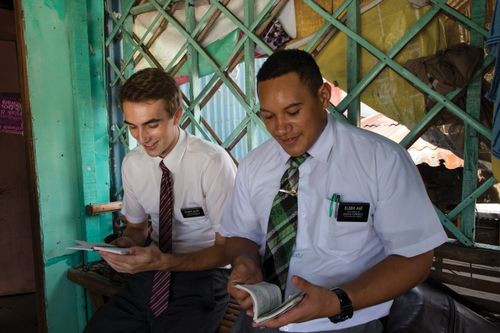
[{"x": 292, "y": 192}]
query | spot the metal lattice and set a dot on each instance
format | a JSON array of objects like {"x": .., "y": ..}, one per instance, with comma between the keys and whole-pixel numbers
[{"x": 127, "y": 49}]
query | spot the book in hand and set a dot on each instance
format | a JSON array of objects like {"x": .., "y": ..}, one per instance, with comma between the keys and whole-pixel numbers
[
  {"x": 267, "y": 302},
  {"x": 88, "y": 246}
]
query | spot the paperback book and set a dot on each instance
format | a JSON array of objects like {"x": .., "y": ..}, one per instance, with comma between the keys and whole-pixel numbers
[
  {"x": 88, "y": 246},
  {"x": 267, "y": 302}
]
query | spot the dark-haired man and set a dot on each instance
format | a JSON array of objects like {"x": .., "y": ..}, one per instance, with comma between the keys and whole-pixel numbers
[
  {"x": 180, "y": 183},
  {"x": 326, "y": 208}
]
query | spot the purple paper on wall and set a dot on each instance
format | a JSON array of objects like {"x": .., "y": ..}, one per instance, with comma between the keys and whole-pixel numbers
[
  {"x": 11, "y": 120},
  {"x": 274, "y": 35}
]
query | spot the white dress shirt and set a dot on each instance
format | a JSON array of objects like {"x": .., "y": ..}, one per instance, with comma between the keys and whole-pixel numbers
[
  {"x": 203, "y": 175},
  {"x": 360, "y": 166}
]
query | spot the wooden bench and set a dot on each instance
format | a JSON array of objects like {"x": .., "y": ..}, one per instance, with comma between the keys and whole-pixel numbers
[
  {"x": 97, "y": 282},
  {"x": 473, "y": 273},
  {"x": 100, "y": 284}
]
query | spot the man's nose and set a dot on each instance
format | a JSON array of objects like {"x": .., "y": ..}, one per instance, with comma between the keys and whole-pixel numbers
[
  {"x": 143, "y": 136},
  {"x": 282, "y": 125}
]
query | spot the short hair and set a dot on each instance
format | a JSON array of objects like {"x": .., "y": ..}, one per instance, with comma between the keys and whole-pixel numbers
[
  {"x": 152, "y": 84},
  {"x": 287, "y": 61}
]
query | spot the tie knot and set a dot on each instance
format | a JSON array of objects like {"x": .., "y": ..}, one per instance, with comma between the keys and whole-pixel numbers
[
  {"x": 296, "y": 161},
  {"x": 163, "y": 167}
]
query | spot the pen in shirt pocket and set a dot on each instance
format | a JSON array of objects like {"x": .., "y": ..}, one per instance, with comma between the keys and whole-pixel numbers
[{"x": 334, "y": 203}]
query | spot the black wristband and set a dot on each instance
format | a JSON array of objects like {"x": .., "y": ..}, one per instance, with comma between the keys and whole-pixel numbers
[{"x": 346, "y": 309}]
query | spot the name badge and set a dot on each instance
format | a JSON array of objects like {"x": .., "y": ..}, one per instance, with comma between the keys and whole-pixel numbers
[
  {"x": 192, "y": 212},
  {"x": 353, "y": 211}
]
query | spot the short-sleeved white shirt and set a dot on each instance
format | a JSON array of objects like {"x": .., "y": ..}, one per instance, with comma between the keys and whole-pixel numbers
[
  {"x": 360, "y": 166},
  {"x": 203, "y": 175}
]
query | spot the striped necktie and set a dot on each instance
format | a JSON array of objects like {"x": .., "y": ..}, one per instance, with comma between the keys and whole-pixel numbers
[
  {"x": 282, "y": 226},
  {"x": 160, "y": 291}
]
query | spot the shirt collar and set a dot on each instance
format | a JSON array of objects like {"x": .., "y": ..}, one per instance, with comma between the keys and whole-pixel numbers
[
  {"x": 173, "y": 159},
  {"x": 322, "y": 148}
]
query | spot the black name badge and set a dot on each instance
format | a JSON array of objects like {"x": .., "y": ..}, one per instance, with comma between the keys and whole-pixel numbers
[
  {"x": 192, "y": 212},
  {"x": 353, "y": 211}
]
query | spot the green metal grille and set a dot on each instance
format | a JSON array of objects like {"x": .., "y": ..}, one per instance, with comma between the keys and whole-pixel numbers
[{"x": 345, "y": 19}]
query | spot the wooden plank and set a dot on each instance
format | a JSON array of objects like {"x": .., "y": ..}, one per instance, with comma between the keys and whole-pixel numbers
[
  {"x": 95, "y": 209},
  {"x": 462, "y": 262},
  {"x": 486, "y": 304},
  {"x": 99, "y": 101},
  {"x": 93, "y": 282},
  {"x": 472, "y": 255},
  {"x": 466, "y": 269},
  {"x": 35, "y": 209},
  {"x": 467, "y": 282},
  {"x": 84, "y": 123}
]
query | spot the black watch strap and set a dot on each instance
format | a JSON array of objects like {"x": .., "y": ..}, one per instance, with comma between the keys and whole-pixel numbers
[{"x": 346, "y": 309}]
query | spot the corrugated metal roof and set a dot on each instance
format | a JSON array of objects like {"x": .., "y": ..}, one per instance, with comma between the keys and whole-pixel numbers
[{"x": 421, "y": 151}]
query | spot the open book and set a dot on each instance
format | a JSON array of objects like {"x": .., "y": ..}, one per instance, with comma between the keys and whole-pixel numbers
[
  {"x": 87, "y": 246},
  {"x": 267, "y": 302}
]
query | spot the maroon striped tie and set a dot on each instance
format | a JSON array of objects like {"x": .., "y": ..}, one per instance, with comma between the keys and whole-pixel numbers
[{"x": 161, "y": 280}]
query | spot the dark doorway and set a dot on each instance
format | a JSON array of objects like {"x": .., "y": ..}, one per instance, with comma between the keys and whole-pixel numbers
[{"x": 19, "y": 253}]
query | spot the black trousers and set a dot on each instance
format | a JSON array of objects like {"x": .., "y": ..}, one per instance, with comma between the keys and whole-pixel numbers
[{"x": 197, "y": 303}]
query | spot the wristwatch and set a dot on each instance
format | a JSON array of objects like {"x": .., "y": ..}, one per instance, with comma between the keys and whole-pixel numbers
[{"x": 346, "y": 309}]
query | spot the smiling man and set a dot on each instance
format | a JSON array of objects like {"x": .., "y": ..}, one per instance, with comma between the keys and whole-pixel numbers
[
  {"x": 179, "y": 183},
  {"x": 326, "y": 208}
]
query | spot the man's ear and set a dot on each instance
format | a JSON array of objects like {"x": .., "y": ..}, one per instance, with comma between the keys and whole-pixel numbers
[
  {"x": 325, "y": 92},
  {"x": 178, "y": 115}
]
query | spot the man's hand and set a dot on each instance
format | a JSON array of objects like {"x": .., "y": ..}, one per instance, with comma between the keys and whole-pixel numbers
[
  {"x": 138, "y": 259},
  {"x": 389, "y": 278},
  {"x": 123, "y": 241},
  {"x": 318, "y": 302},
  {"x": 245, "y": 271}
]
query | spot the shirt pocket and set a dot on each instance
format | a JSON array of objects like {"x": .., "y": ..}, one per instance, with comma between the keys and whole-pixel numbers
[
  {"x": 192, "y": 223},
  {"x": 191, "y": 213},
  {"x": 344, "y": 240}
]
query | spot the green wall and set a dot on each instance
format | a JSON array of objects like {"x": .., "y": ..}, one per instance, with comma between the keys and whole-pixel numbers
[{"x": 68, "y": 105}]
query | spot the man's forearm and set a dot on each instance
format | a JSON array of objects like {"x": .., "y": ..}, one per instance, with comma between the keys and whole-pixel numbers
[
  {"x": 237, "y": 247},
  {"x": 388, "y": 279},
  {"x": 209, "y": 258}
]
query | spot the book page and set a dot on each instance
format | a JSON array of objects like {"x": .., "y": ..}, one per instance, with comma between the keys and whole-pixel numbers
[
  {"x": 287, "y": 305},
  {"x": 266, "y": 299},
  {"x": 265, "y": 296},
  {"x": 112, "y": 249},
  {"x": 89, "y": 246}
]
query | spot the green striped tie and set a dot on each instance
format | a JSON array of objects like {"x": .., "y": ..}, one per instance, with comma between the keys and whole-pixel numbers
[{"x": 282, "y": 226}]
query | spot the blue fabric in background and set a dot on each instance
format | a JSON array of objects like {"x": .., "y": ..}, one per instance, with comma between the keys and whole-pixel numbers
[{"x": 492, "y": 43}]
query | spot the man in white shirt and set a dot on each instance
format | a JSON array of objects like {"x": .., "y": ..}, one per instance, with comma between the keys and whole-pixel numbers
[
  {"x": 203, "y": 175},
  {"x": 365, "y": 227}
]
